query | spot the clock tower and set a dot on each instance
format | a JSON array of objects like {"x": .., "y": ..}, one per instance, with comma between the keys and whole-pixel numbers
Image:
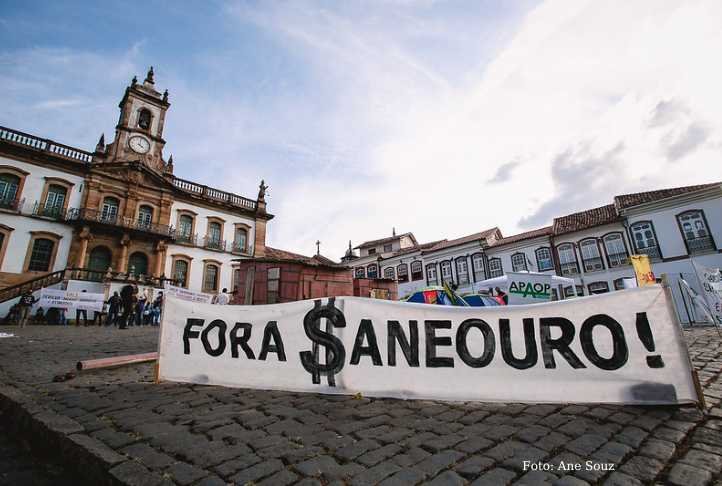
[{"x": 139, "y": 133}]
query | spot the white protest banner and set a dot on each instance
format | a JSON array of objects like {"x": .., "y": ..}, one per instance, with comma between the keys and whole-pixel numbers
[
  {"x": 187, "y": 295},
  {"x": 619, "y": 347},
  {"x": 711, "y": 281},
  {"x": 63, "y": 299}
]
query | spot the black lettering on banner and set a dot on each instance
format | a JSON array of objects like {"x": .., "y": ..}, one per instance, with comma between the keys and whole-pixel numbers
[
  {"x": 241, "y": 340},
  {"x": 335, "y": 351},
  {"x": 531, "y": 354},
  {"x": 645, "y": 335},
  {"x": 189, "y": 333},
  {"x": 462, "y": 347},
  {"x": 271, "y": 331},
  {"x": 221, "y": 326},
  {"x": 620, "y": 351},
  {"x": 410, "y": 349},
  {"x": 561, "y": 343},
  {"x": 366, "y": 330},
  {"x": 432, "y": 361}
]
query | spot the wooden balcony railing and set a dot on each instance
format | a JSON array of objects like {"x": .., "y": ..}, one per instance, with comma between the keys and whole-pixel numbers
[{"x": 44, "y": 145}]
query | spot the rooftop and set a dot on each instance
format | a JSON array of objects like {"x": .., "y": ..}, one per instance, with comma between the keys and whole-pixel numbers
[
  {"x": 585, "y": 219},
  {"x": 486, "y": 234},
  {"x": 381, "y": 241},
  {"x": 527, "y": 235},
  {"x": 275, "y": 254},
  {"x": 625, "y": 201}
]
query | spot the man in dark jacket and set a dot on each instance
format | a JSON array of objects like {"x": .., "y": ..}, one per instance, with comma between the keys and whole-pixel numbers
[
  {"x": 26, "y": 302},
  {"x": 113, "y": 309},
  {"x": 127, "y": 298}
]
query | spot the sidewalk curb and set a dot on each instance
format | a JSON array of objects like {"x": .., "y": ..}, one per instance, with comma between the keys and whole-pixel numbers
[{"x": 55, "y": 436}]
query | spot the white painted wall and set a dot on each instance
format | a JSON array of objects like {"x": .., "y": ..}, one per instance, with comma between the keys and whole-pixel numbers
[
  {"x": 199, "y": 254},
  {"x": 664, "y": 220},
  {"x": 35, "y": 182}
]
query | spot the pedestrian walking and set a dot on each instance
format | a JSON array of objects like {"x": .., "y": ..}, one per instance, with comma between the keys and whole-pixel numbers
[{"x": 26, "y": 302}]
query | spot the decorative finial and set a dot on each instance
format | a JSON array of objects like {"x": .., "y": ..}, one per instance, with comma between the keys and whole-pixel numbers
[
  {"x": 149, "y": 76},
  {"x": 170, "y": 160},
  {"x": 262, "y": 191},
  {"x": 318, "y": 247},
  {"x": 134, "y": 81},
  {"x": 165, "y": 96},
  {"x": 349, "y": 245},
  {"x": 101, "y": 143},
  {"x": 393, "y": 231}
]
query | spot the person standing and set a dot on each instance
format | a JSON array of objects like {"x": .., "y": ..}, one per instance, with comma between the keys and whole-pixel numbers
[
  {"x": 26, "y": 302},
  {"x": 113, "y": 308},
  {"x": 127, "y": 295},
  {"x": 223, "y": 298},
  {"x": 83, "y": 312},
  {"x": 157, "y": 307}
]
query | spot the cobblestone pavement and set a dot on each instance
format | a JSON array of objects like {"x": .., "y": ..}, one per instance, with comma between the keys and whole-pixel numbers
[
  {"x": 189, "y": 434},
  {"x": 19, "y": 467}
]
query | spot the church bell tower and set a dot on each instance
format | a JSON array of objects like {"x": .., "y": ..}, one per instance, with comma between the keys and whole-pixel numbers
[{"x": 139, "y": 133}]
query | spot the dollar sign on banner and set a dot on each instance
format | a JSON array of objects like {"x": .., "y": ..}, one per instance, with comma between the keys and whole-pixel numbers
[{"x": 335, "y": 351}]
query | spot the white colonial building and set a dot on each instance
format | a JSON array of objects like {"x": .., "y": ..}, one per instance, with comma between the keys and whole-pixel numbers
[
  {"x": 675, "y": 227},
  {"x": 80, "y": 218}
]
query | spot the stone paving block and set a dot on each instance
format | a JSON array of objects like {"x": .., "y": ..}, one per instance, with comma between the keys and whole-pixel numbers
[
  {"x": 536, "y": 478},
  {"x": 495, "y": 477},
  {"x": 211, "y": 481},
  {"x": 148, "y": 456},
  {"x": 621, "y": 479},
  {"x": 372, "y": 458},
  {"x": 184, "y": 474},
  {"x": 447, "y": 478},
  {"x": 586, "y": 444},
  {"x": 404, "y": 478},
  {"x": 632, "y": 436},
  {"x": 99, "y": 451},
  {"x": 131, "y": 473},
  {"x": 686, "y": 475},
  {"x": 704, "y": 460},
  {"x": 569, "y": 481},
  {"x": 412, "y": 456},
  {"x": 668, "y": 434},
  {"x": 661, "y": 450},
  {"x": 375, "y": 474},
  {"x": 114, "y": 439},
  {"x": 439, "y": 461},
  {"x": 612, "y": 452},
  {"x": 643, "y": 468},
  {"x": 257, "y": 472},
  {"x": 281, "y": 478},
  {"x": 473, "y": 466},
  {"x": 473, "y": 445},
  {"x": 227, "y": 468},
  {"x": 354, "y": 450}
]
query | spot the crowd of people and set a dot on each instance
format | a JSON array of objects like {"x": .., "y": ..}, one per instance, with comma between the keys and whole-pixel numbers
[{"x": 128, "y": 307}]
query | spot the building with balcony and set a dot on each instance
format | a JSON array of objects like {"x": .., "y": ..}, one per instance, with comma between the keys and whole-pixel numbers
[
  {"x": 675, "y": 227},
  {"x": 120, "y": 208}
]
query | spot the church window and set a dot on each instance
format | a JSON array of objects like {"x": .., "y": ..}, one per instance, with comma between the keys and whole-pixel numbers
[
  {"x": 41, "y": 255},
  {"x": 145, "y": 216},
  {"x": 110, "y": 209},
  {"x": 9, "y": 184},
  {"x": 210, "y": 277},
  {"x": 138, "y": 264}
]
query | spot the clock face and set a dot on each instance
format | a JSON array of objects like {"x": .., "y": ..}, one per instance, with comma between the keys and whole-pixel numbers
[{"x": 139, "y": 144}]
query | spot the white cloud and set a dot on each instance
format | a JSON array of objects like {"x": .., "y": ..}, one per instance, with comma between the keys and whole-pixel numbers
[{"x": 581, "y": 78}]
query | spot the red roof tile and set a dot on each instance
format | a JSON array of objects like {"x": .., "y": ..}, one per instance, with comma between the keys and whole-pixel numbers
[
  {"x": 527, "y": 235},
  {"x": 585, "y": 219},
  {"x": 274, "y": 254},
  {"x": 628, "y": 200},
  {"x": 486, "y": 234},
  {"x": 385, "y": 240}
]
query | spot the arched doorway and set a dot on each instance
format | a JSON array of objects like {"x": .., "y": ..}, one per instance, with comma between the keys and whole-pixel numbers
[
  {"x": 100, "y": 259},
  {"x": 138, "y": 263}
]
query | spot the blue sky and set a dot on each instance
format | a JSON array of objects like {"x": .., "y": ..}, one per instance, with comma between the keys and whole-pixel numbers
[{"x": 437, "y": 117}]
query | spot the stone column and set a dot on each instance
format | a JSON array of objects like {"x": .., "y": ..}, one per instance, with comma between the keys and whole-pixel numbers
[
  {"x": 160, "y": 250},
  {"x": 123, "y": 264},
  {"x": 84, "y": 236}
]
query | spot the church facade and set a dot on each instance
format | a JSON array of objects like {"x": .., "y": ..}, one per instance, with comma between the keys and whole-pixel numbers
[{"x": 120, "y": 210}]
